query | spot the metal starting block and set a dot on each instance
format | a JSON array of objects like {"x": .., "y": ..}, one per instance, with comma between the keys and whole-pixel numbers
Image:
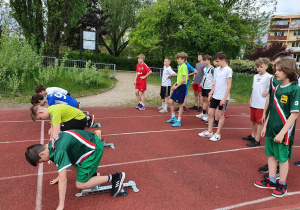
[
  {"x": 104, "y": 189},
  {"x": 111, "y": 145},
  {"x": 86, "y": 112},
  {"x": 96, "y": 125}
]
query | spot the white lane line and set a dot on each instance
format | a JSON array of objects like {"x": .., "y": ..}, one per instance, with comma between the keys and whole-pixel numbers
[
  {"x": 255, "y": 201},
  {"x": 39, "y": 192},
  {"x": 8, "y": 142}
]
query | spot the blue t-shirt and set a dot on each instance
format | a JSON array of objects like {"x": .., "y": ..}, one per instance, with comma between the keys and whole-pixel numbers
[{"x": 58, "y": 98}]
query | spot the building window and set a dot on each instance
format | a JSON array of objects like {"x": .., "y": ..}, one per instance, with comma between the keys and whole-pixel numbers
[
  {"x": 296, "y": 44},
  {"x": 296, "y": 33},
  {"x": 281, "y": 22},
  {"x": 297, "y": 22},
  {"x": 279, "y": 33}
]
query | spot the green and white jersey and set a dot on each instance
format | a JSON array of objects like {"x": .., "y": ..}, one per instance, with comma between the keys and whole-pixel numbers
[
  {"x": 72, "y": 147},
  {"x": 285, "y": 101},
  {"x": 273, "y": 83}
]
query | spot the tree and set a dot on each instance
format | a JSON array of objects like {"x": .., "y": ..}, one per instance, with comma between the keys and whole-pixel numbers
[
  {"x": 6, "y": 18},
  {"x": 47, "y": 20},
  {"x": 265, "y": 51},
  {"x": 194, "y": 26}
]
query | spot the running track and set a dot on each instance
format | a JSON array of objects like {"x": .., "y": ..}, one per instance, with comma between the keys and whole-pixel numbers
[{"x": 173, "y": 167}]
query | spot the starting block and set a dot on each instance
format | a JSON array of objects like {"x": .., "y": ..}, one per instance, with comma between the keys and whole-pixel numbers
[
  {"x": 111, "y": 145},
  {"x": 96, "y": 125},
  {"x": 104, "y": 189}
]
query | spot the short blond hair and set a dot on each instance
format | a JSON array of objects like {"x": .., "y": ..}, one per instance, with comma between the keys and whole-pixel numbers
[
  {"x": 181, "y": 55},
  {"x": 34, "y": 111},
  {"x": 142, "y": 56},
  {"x": 261, "y": 61}
]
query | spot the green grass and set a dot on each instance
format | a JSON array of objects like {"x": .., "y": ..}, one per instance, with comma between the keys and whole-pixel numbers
[{"x": 240, "y": 91}]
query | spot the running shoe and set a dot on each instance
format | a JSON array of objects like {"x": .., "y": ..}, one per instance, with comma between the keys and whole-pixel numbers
[
  {"x": 205, "y": 118},
  {"x": 163, "y": 111},
  {"x": 265, "y": 184},
  {"x": 205, "y": 134},
  {"x": 193, "y": 107},
  {"x": 297, "y": 163},
  {"x": 161, "y": 107},
  {"x": 176, "y": 124},
  {"x": 264, "y": 169},
  {"x": 117, "y": 184},
  {"x": 177, "y": 109},
  {"x": 225, "y": 115},
  {"x": 172, "y": 120},
  {"x": 142, "y": 108},
  {"x": 253, "y": 143},
  {"x": 199, "y": 109},
  {"x": 215, "y": 137},
  {"x": 266, "y": 176},
  {"x": 215, "y": 125},
  {"x": 248, "y": 138},
  {"x": 138, "y": 106},
  {"x": 200, "y": 115},
  {"x": 280, "y": 190},
  {"x": 90, "y": 122}
]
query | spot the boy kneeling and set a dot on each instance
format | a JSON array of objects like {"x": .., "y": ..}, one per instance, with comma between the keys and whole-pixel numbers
[{"x": 80, "y": 151}]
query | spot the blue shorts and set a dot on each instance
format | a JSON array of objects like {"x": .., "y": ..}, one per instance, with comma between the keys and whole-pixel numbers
[
  {"x": 187, "y": 88},
  {"x": 178, "y": 95}
]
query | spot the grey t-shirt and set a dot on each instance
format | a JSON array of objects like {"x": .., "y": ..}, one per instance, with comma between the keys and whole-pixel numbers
[{"x": 199, "y": 75}]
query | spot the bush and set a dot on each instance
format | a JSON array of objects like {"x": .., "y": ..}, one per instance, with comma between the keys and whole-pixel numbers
[{"x": 246, "y": 66}]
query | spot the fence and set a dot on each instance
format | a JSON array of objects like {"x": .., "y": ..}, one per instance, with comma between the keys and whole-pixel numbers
[
  {"x": 160, "y": 70},
  {"x": 48, "y": 61}
]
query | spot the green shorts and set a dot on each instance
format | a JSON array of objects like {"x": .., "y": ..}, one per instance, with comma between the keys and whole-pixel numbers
[
  {"x": 279, "y": 151},
  {"x": 88, "y": 167}
]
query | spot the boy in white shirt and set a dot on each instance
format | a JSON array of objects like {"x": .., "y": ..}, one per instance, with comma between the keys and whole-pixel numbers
[
  {"x": 166, "y": 85},
  {"x": 218, "y": 96},
  {"x": 260, "y": 88}
]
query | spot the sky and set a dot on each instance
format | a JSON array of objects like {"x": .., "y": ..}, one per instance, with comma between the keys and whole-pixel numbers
[{"x": 288, "y": 7}]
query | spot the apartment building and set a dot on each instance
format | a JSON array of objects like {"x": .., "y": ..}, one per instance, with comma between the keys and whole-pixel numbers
[{"x": 285, "y": 29}]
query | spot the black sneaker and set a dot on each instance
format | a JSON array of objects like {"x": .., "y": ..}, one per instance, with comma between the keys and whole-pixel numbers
[
  {"x": 266, "y": 176},
  {"x": 265, "y": 184},
  {"x": 193, "y": 107},
  {"x": 248, "y": 138},
  {"x": 215, "y": 125},
  {"x": 253, "y": 144},
  {"x": 206, "y": 122},
  {"x": 200, "y": 109},
  {"x": 177, "y": 109},
  {"x": 117, "y": 184},
  {"x": 297, "y": 163},
  {"x": 264, "y": 169},
  {"x": 184, "y": 110},
  {"x": 280, "y": 190},
  {"x": 138, "y": 106}
]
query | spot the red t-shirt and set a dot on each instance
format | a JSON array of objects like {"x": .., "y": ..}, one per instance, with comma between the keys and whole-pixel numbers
[{"x": 141, "y": 70}]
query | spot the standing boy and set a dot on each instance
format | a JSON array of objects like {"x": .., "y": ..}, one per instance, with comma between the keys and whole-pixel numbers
[
  {"x": 140, "y": 82},
  {"x": 218, "y": 96},
  {"x": 179, "y": 89},
  {"x": 280, "y": 125},
  {"x": 207, "y": 84},
  {"x": 166, "y": 85},
  {"x": 260, "y": 88},
  {"x": 80, "y": 151},
  {"x": 196, "y": 83}
]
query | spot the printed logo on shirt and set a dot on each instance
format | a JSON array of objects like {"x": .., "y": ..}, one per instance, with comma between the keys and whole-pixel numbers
[
  {"x": 258, "y": 80},
  {"x": 296, "y": 103},
  {"x": 284, "y": 99}
]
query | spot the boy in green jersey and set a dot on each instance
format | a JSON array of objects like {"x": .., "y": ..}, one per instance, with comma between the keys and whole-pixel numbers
[
  {"x": 63, "y": 117},
  {"x": 279, "y": 128},
  {"x": 80, "y": 151}
]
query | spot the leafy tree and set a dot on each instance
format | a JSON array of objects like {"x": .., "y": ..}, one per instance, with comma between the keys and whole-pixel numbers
[
  {"x": 265, "y": 51},
  {"x": 51, "y": 17}
]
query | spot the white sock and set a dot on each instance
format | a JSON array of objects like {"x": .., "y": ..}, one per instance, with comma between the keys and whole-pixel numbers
[
  {"x": 179, "y": 119},
  {"x": 140, "y": 102},
  {"x": 166, "y": 106},
  {"x": 173, "y": 114},
  {"x": 143, "y": 104},
  {"x": 163, "y": 104}
]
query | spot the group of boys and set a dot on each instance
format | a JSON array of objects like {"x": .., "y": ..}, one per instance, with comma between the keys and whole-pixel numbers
[{"x": 70, "y": 146}]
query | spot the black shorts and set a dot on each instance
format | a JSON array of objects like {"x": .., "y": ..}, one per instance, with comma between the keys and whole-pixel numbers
[
  {"x": 74, "y": 124},
  {"x": 205, "y": 92},
  {"x": 214, "y": 103},
  {"x": 165, "y": 91}
]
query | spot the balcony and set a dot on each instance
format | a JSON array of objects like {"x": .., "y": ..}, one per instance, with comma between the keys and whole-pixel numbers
[
  {"x": 293, "y": 49},
  {"x": 295, "y": 26},
  {"x": 279, "y": 26},
  {"x": 276, "y": 38}
]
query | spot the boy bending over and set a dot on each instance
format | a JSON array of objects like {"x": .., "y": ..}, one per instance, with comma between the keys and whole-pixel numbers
[
  {"x": 80, "y": 151},
  {"x": 40, "y": 89}
]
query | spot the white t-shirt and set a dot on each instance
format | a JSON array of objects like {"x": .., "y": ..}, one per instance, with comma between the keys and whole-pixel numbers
[
  {"x": 220, "y": 78},
  {"x": 299, "y": 81},
  {"x": 167, "y": 72},
  {"x": 261, "y": 83},
  {"x": 51, "y": 90}
]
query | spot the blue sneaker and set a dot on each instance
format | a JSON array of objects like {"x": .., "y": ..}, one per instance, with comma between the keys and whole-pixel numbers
[
  {"x": 297, "y": 163},
  {"x": 176, "y": 124},
  {"x": 173, "y": 119}
]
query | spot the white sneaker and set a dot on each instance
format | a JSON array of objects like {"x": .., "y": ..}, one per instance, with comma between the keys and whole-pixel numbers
[
  {"x": 163, "y": 111},
  {"x": 205, "y": 118},
  {"x": 160, "y": 108},
  {"x": 215, "y": 137},
  {"x": 205, "y": 134},
  {"x": 200, "y": 115}
]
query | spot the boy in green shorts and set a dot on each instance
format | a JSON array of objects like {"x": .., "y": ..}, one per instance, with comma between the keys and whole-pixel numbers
[
  {"x": 63, "y": 117},
  {"x": 279, "y": 127},
  {"x": 80, "y": 151}
]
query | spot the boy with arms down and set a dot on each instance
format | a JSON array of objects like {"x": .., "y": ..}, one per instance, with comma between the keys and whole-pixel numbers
[
  {"x": 279, "y": 127},
  {"x": 166, "y": 85},
  {"x": 218, "y": 96},
  {"x": 206, "y": 84},
  {"x": 179, "y": 89},
  {"x": 260, "y": 88},
  {"x": 140, "y": 82},
  {"x": 80, "y": 151}
]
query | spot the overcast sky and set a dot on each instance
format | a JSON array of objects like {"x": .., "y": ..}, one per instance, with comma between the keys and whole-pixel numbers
[{"x": 288, "y": 7}]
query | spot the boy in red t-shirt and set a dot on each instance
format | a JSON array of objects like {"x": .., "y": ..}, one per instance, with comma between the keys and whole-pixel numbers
[{"x": 140, "y": 82}]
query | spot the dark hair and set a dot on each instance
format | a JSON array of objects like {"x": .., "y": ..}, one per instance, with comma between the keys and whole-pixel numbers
[
  {"x": 32, "y": 153},
  {"x": 34, "y": 110},
  {"x": 39, "y": 88},
  {"x": 201, "y": 53},
  {"x": 288, "y": 66},
  {"x": 220, "y": 55},
  {"x": 181, "y": 55},
  {"x": 169, "y": 59},
  {"x": 279, "y": 55},
  {"x": 207, "y": 57},
  {"x": 227, "y": 61},
  {"x": 35, "y": 99}
]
